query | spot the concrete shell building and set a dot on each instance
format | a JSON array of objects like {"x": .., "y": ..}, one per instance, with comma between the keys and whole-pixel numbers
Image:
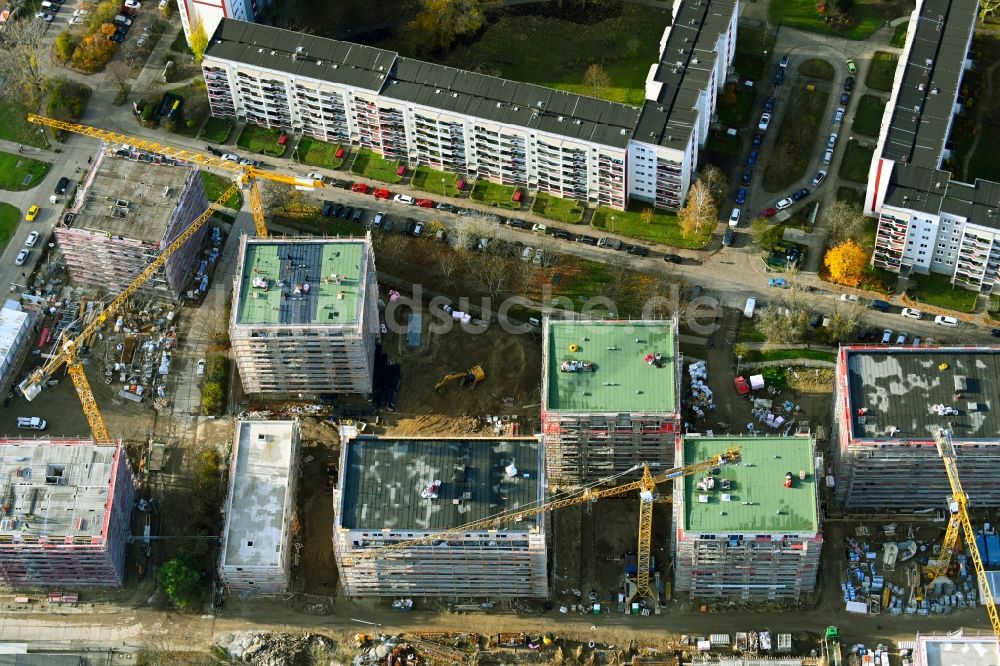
[
  {"x": 955, "y": 649},
  {"x": 262, "y": 481},
  {"x": 393, "y": 490},
  {"x": 610, "y": 392},
  {"x": 128, "y": 208},
  {"x": 889, "y": 403},
  {"x": 66, "y": 513},
  {"x": 746, "y": 535},
  {"x": 305, "y": 315}
]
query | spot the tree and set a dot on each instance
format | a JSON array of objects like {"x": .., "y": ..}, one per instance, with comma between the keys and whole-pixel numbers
[
  {"x": 759, "y": 232},
  {"x": 103, "y": 13},
  {"x": 66, "y": 42},
  {"x": 179, "y": 580},
  {"x": 634, "y": 45},
  {"x": 198, "y": 40},
  {"x": 389, "y": 248},
  {"x": 446, "y": 20},
  {"x": 120, "y": 74},
  {"x": 844, "y": 323},
  {"x": 715, "y": 181},
  {"x": 740, "y": 350},
  {"x": 699, "y": 211},
  {"x": 596, "y": 77},
  {"x": 212, "y": 398},
  {"x": 843, "y": 222},
  {"x": 782, "y": 325},
  {"x": 448, "y": 263},
  {"x": 21, "y": 68},
  {"x": 846, "y": 262},
  {"x": 646, "y": 215},
  {"x": 987, "y": 8},
  {"x": 276, "y": 196}
]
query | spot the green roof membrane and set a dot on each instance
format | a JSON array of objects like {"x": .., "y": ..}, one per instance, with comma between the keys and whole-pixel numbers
[
  {"x": 621, "y": 379},
  {"x": 758, "y": 502},
  {"x": 301, "y": 283}
]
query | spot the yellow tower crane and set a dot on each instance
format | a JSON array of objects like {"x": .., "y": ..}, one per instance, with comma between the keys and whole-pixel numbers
[{"x": 646, "y": 487}]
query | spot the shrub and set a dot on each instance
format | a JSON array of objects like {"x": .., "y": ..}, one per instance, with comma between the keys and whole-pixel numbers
[
  {"x": 95, "y": 51},
  {"x": 213, "y": 391},
  {"x": 66, "y": 42}
]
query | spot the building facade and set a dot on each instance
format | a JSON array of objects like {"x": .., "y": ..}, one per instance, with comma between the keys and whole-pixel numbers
[
  {"x": 255, "y": 555},
  {"x": 890, "y": 402},
  {"x": 16, "y": 327},
  {"x": 305, "y": 315},
  {"x": 396, "y": 490},
  {"x": 67, "y": 518},
  {"x": 749, "y": 531},
  {"x": 567, "y": 145},
  {"x": 610, "y": 392},
  {"x": 206, "y": 14}
]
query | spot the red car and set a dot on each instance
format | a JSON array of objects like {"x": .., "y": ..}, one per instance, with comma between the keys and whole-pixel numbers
[
  {"x": 425, "y": 203},
  {"x": 769, "y": 212},
  {"x": 125, "y": 11},
  {"x": 741, "y": 385},
  {"x": 360, "y": 187},
  {"x": 381, "y": 193},
  {"x": 401, "y": 171}
]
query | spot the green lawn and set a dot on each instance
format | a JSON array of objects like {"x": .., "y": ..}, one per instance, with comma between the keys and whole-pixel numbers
[
  {"x": 868, "y": 117},
  {"x": 791, "y": 355},
  {"x": 802, "y": 14},
  {"x": 374, "y": 166},
  {"x": 313, "y": 152},
  {"x": 557, "y": 208},
  {"x": 817, "y": 68},
  {"x": 216, "y": 130},
  {"x": 856, "y": 162},
  {"x": 750, "y": 59},
  {"x": 9, "y": 217},
  {"x": 214, "y": 187},
  {"x": 262, "y": 140},
  {"x": 494, "y": 194},
  {"x": 180, "y": 45},
  {"x": 937, "y": 290},
  {"x": 15, "y": 168},
  {"x": 430, "y": 180},
  {"x": 881, "y": 71},
  {"x": 797, "y": 138},
  {"x": 663, "y": 228},
  {"x": 735, "y": 105},
  {"x": 15, "y": 126},
  {"x": 898, "y": 38}
]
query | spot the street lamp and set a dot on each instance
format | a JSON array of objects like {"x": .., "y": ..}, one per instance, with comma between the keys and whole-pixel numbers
[
  {"x": 612, "y": 224},
  {"x": 444, "y": 192}
]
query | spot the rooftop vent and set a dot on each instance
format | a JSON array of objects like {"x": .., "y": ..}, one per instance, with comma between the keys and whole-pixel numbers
[
  {"x": 929, "y": 62},
  {"x": 540, "y": 104},
  {"x": 561, "y": 118}
]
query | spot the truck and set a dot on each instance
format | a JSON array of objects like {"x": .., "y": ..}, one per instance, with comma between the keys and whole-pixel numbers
[
  {"x": 831, "y": 645},
  {"x": 31, "y": 423}
]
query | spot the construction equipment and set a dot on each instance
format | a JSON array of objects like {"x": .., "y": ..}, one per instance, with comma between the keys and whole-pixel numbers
[
  {"x": 831, "y": 647},
  {"x": 475, "y": 375},
  {"x": 646, "y": 487},
  {"x": 958, "y": 506}
]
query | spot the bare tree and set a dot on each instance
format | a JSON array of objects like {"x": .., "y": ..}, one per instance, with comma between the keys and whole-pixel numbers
[
  {"x": 121, "y": 74},
  {"x": 699, "y": 211},
  {"x": 448, "y": 263},
  {"x": 844, "y": 322},
  {"x": 782, "y": 324},
  {"x": 389, "y": 248},
  {"x": 275, "y": 196},
  {"x": 470, "y": 229},
  {"x": 715, "y": 181},
  {"x": 596, "y": 77},
  {"x": 987, "y": 8},
  {"x": 843, "y": 221},
  {"x": 21, "y": 65}
]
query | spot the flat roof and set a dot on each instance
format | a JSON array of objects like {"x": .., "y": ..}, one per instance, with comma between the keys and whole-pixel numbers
[
  {"x": 12, "y": 321},
  {"x": 759, "y": 502},
  {"x": 59, "y": 488},
  {"x": 622, "y": 380},
  {"x": 900, "y": 390},
  {"x": 956, "y": 651},
  {"x": 258, "y": 493},
  {"x": 140, "y": 186},
  {"x": 384, "y": 480},
  {"x": 317, "y": 282}
]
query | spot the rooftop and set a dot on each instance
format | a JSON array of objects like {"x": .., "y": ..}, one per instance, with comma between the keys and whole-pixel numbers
[
  {"x": 126, "y": 198},
  {"x": 901, "y": 389},
  {"x": 301, "y": 281},
  {"x": 385, "y": 481},
  {"x": 255, "y": 509},
  {"x": 759, "y": 501},
  {"x": 11, "y": 322},
  {"x": 58, "y": 488},
  {"x": 621, "y": 379},
  {"x": 956, "y": 651}
]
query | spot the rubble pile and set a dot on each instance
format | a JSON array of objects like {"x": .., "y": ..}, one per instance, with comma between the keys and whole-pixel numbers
[{"x": 262, "y": 648}]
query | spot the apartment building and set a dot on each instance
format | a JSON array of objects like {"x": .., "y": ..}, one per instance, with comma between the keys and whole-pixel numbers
[
  {"x": 394, "y": 490},
  {"x": 208, "y": 13},
  {"x": 610, "y": 392},
  {"x": 568, "y": 145},
  {"x": 305, "y": 315},
  {"x": 256, "y": 553},
  {"x": 889, "y": 403},
  {"x": 16, "y": 327},
  {"x": 929, "y": 222},
  {"x": 65, "y": 520},
  {"x": 749, "y": 531},
  {"x": 130, "y": 206}
]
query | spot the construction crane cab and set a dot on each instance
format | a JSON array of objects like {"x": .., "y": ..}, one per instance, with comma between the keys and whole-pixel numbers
[
  {"x": 471, "y": 378},
  {"x": 831, "y": 646}
]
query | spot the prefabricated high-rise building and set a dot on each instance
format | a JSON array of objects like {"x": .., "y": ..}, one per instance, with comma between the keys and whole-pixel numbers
[
  {"x": 890, "y": 402},
  {"x": 130, "y": 205},
  {"x": 610, "y": 392},
  {"x": 749, "y": 531},
  {"x": 66, "y": 512},
  {"x": 396, "y": 490},
  {"x": 256, "y": 553},
  {"x": 305, "y": 315}
]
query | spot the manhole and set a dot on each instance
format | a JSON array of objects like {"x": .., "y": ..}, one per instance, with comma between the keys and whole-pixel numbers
[{"x": 27, "y": 179}]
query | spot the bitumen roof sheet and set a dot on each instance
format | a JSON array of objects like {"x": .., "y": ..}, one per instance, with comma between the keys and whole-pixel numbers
[
  {"x": 956, "y": 651},
  {"x": 621, "y": 378},
  {"x": 900, "y": 390},
  {"x": 314, "y": 282},
  {"x": 385, "y": 480},
  {"x": 758, "y": 501}
]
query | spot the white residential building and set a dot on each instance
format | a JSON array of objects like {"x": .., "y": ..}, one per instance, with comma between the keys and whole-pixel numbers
[
  {"x": 210, "y": 12},
  {"x": 15, "y": 335}
]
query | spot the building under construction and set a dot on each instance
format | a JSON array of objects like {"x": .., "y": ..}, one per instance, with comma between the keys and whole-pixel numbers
[
  {"x": 395, "y": 490},
  {"x": 955, "y": 649},
  {"x": 890, "y": 401},
  {"x": 255, "y": 545},
  {"x": 128, "y": 208},
  {"x": 748, "y": 531},
  {"x": 66, "y": 511},
  {"x": 305, "y": 315},
  {"x": 610, "y": 392}
]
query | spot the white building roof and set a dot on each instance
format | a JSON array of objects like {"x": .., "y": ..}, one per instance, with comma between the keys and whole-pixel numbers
[
  {"x": 956, "y": 650},
  {"x": 11, "y": 323},
  {"x": 259, "y": 493}
]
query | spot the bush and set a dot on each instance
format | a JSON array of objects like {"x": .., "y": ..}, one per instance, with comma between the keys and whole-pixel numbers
[
  {"x": 776, "y": 377},
  {"x": 96, "y": 50},
  {"x": 66, "y": 42},
  {"x": 213, "y": 391},
  {"x": 179, "y": 579},
  {"x": 102, "y": 14}
]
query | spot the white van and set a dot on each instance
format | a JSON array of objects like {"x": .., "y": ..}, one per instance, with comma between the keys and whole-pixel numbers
[
  {"x": 749, "y": 307},
  {"x": 31, "y": 423}
]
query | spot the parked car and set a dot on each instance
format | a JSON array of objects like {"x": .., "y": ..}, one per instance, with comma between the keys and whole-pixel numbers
[
  {"x": 849, "y": 298},
  {"x": 357, "y": 214},
  {"x": 200, "y": 368},
  {"x": 901, "y": 339},
  {"x": 327, "y": 208},
  {"x": 360, "y": 187},
  {"x": 122, "y": 20},
  {"x": 518, "y": 224},
  {"x": 769, "y": 104},
  {"x": 886, "y": 336},
  {"x": 245, "y": 161},
  {"x": 752, "y": 158},
  {"x": 828, "y": 156},
  {"x": 425, "y": 203},
  {"x": 31, "y": 239},
  {"x": 799, "y": 195},
  {"x": 880, "y": 305},
  {"x": 346, "y": 212},
  {"x": 638, "y": 250},
  {"x": 377, "y": 221},
  {"x": 418, "y": 229},
  {"x": 995, "y": 332},
  {"x": 446, "y": 207},
  {"x": 45, "y": 16},
  {"x": 765, "y": 120},
  {"x": 32, "y": 213},
  {"x": 727, "y": 239},
  {"x": 586, "y": 240},
  {"x": 831, "y": 141},
  {"x": 758, "y": 139},
  {"x": 463, "y": 212},
  {"x": 21, "y": 257},
  {"x": 527, "y": 253},
  {"x": 316, "y": 176},
  {"x": 734, "y": 217},
  {"x": 779, "y": 76},
  {"x": 768, "y": 212},
  {"x": 31, "y": 423},
  {"x": 845, "y": 98},
  {"x": 943, "y": 320},
  {"x": 673, "y": 258},
  {"x": 851, "y": 67},
  {"x": 838, "y": 115},
  {"x": 849, "y": 84},
  {"x": 784, "y": 203},
  {"x": 818, "y": 178},
  {"x": 404, "y": 199},
  {"x": 784, "y": 61},
  {"x": 611, "y": 243},
  {"x": 133, "y": 4},
  {"x": 777, "y": 282},
  {"x": 62, "y": 185},
  {"x": 539, "y": 228},
  {"x": 381, "y": 193},
  {"x": 912, "y": 313},
  {"x": 747, "y": 176},
  {"x": 561, "y": 234},
  {"x": 741, "y": 196},
  {"x": 229, "y": 157}
]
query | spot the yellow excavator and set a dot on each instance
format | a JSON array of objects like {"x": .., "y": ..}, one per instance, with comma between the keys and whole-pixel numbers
[{"x": 475, "y": 375}]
